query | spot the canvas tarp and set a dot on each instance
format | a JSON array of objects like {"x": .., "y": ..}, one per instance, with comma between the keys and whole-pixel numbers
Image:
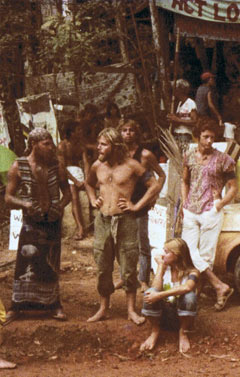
[
  {"x": 95, "y": 87},
  {"x": 38, "y": 111}
]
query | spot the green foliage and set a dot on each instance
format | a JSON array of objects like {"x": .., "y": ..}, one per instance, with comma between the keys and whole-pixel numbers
[{"x": 80, "y": 40}]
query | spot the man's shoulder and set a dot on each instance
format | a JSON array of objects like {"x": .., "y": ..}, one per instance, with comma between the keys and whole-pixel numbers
[
  {"x": 130, "y": 161},
  {"x": 219, "y": 153},
  {"x": 146, "y": 152},
  {"x": 97, "y": 165},
  {"x": 190, "y": 102},
  {"x": 202, "y": 89},
  {"x": 134, "y": 166},
  {"x": 65, "y": 143},
  {"x": 14, "y": 171},
  {"x": 147, "y": 157},
  {"x": 223, "y": 156}
]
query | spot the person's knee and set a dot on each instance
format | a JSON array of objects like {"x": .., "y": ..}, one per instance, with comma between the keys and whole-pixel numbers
[
  {"x": 188, "y": 302},
  {"x": 130, "y": 282},
  {"x": 152, "y": 310}
]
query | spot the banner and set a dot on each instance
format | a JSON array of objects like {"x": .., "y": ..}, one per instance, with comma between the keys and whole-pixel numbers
[
  {"x": 37, "y": 111},
  {"x": 225, "y": 11},
  {"x": 4, "y": 134},
  {"x": 157, "y": 227},
  {"x": 15, "y": 228}
]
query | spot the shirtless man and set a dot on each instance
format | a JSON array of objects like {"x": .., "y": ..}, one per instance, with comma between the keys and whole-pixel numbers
[
  {"x": 115, "y": 224},
  {"x": 38, "y": 178},
  {"x": 72, "y": 156},
  {"x": 131, "y": 135}
]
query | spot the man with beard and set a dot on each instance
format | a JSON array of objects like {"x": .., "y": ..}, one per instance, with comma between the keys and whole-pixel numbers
[
  {"x": 115, "y": 224},
  {"x": 38, "y": 178},
  {"x": 131, "y": 135}
]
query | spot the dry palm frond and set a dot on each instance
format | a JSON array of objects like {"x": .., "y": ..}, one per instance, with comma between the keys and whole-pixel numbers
[{"x": 171, "y": 149}]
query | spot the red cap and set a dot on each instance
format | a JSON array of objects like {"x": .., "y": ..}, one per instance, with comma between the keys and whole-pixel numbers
[{"x": 206, "y": 76}]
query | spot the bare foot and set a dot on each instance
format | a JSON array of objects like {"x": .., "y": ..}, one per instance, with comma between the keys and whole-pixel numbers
[
  {"x": 4, "y": 364},
  {"x": 59, "y": 315},
  {"x": 99, "y": 316},
  {"x": 78, "y": 236},
  {"x": 184, "y": 344},
  {"x": 137, "y": 319},
  {"x": 144, "y": 286},
  {"x": 150, "y": 342},
  {"x": 118, "y": 284}
]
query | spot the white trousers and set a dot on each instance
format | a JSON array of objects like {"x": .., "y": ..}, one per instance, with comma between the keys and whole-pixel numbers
[{"x": 201, "y": 232}]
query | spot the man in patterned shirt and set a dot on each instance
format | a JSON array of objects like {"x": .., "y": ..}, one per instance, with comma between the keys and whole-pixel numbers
[
  {"x": 206, "y": 172},
  {"x": 37, "y": 178}
]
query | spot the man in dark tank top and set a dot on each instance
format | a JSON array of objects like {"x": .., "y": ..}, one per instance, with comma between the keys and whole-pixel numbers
[{"x": 130, "y": 132}]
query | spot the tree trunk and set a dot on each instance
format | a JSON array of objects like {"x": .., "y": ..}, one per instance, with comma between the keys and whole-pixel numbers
[
  {"x": 160, "y": 39},
  {"x": 122, "y": 33},
  {"x": 59, "y": 6},
  {"x": 149, "y": 100},
  {"x": 121, "y": 29}
]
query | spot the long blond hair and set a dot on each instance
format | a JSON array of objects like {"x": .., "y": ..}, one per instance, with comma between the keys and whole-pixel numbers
[
  {"x": 184, "y": 262},
  {"x": 114, "y": 137}
]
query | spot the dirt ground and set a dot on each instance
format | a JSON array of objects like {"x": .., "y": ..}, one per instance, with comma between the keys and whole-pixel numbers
[{"x": 44, "y": 347}]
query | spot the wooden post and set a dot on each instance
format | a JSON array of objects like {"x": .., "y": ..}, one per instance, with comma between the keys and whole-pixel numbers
[
  {"x": 145, "y": 76},
  {"x": 176, "y": 58},
  {"x": 161, "y": 41}
]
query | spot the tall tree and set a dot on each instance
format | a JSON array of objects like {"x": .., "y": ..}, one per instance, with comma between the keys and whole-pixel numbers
[
  {"x": 14, "y": 31},
  {"x": 161, "y": 43}
]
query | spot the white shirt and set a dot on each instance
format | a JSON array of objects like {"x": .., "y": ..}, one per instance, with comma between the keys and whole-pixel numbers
[{"x": 184, "y": 110}]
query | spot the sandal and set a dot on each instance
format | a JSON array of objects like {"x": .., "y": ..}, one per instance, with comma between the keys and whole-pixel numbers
[{"x": 221, "y": 301}]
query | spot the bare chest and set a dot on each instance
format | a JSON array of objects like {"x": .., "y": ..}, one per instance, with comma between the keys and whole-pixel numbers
[{"x": 119, "y": 176}]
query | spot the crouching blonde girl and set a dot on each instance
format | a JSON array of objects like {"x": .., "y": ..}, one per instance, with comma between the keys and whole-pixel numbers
[{"x": 171, "y": 302}]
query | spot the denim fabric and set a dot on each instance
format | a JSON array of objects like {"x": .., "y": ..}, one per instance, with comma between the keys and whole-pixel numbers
[{"x": 186, "y": 306}]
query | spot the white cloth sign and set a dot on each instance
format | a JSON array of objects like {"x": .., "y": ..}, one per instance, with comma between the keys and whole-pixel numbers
[
  {"x": 4, "y": 134},
  {"x": 15, "y": 228},
  {"x": 157, "y": 225}
]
